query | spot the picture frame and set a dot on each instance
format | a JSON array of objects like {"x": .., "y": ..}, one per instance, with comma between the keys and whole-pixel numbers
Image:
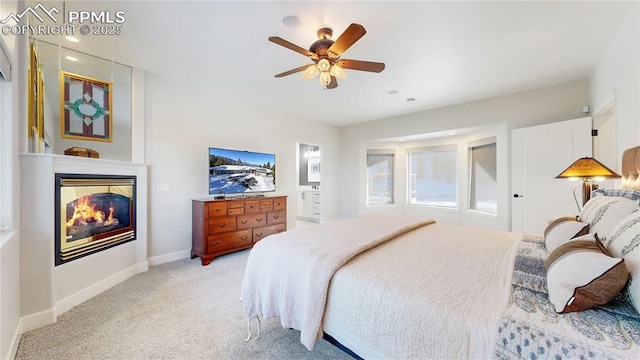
[
  {"x": 313, "y": 170},
  {"x": 85, "y": 108},
  {"x": 40, "y": 106},
  {"x": 33, "y": 90}
]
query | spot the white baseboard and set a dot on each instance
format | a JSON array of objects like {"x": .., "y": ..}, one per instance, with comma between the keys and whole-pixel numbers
[
  {"x": 37, "y": 320},
  {"x": 15, "y": 341},
  {"x": 43, "y": 318},
  {"x": 87, "y": 293},
  {"x": 167, "y": 258}
]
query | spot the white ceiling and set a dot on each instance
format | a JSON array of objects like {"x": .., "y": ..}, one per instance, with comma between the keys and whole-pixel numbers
[{"x": 439, "y": 53}]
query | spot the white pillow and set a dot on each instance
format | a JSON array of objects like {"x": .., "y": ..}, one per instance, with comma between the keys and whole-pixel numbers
[
  {"x": 625, "y": 243},
  {"x": 603, "y": 213},
  {"x": 580, "y": 276},
  {"x": 563, "y": 229}
]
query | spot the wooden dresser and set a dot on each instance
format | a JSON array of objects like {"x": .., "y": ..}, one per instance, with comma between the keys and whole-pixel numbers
[{"x": 223, "y": 226}]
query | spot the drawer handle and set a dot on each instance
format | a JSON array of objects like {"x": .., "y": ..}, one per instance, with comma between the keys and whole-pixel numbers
[
  {"x": 222, "y": 225},
  {"x": 243, "y": 222},
  {"x": 216, "y": 242},
  {"x": 243, "y": 237},
  {"x": 280, "y": 230},
  {"x": 258, "y": 219},
  {"x": 276, "y": 216},
  {"x": 259, "y": 235}
]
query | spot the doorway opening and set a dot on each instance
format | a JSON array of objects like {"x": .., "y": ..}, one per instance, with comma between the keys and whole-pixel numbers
[{"x": 309, "y": 179}]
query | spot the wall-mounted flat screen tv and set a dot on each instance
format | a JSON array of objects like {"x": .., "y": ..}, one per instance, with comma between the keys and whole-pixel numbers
[{"x": 241, "y": 172}]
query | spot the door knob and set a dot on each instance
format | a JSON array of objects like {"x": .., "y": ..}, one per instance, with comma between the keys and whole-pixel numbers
[{"x": 517, "y": 196}]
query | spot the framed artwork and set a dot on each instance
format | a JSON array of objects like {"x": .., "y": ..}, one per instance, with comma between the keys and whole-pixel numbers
[
  {"x": 40, "y": 106},
  {"x": 85, "y": 106},
  {"x": 34, "y": 92},
  {"x": 313, "y": 170}
]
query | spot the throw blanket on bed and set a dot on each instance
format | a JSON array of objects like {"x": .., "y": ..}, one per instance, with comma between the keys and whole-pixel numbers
[
  {"x": 531, "y": 329},
  {"x": 288, "y": 274}
]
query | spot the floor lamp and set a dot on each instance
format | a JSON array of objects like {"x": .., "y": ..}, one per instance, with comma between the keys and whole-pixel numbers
[{"x": 587, "y": 170}]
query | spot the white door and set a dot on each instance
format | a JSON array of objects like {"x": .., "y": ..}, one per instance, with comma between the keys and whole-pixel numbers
[{"x": 539, "y": 154}]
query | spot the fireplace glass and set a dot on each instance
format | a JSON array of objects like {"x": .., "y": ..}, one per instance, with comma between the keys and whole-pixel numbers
[{"x": 93, "y": 213}]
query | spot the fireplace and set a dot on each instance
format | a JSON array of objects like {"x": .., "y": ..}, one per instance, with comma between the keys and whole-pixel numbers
[{"x": 92, "y": 213}]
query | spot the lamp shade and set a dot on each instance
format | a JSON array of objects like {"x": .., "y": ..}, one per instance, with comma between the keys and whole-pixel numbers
[
  {"x": 325, "y": 78},
  {"x": 587, "y": 168},
  {"x": 337, "y": 72},
  {"x": 310, "y": 72}
]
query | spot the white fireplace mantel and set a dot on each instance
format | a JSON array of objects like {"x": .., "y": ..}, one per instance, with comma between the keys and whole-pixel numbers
[{"x": 48, "y": 290}]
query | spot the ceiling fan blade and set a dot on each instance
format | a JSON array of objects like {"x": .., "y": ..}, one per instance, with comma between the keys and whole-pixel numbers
[
  {"x": 282, "y": 42},
  {"x": 361, "y": 65},
  {"x": 293, "y": 71},
  {"x": 348, "y": 38},
  {"x": 333, "y": 84}
]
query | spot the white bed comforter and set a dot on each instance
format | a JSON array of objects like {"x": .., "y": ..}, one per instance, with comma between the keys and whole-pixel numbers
[
  {"x": 435, "y": 293},
  {"x": 288, "y": 274}
]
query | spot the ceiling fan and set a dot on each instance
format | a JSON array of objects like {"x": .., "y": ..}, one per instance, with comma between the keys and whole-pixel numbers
[{"x": 326, "y": 55}]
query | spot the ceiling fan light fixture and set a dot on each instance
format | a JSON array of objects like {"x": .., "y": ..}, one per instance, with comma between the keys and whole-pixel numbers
[
  {"x": 327, "y": 55},
  {"x": 325, "y": 78},
  {"x": 338, "y": 72},
  {"x": 324, "y": 65},
  {"x": 311, "y": 72}
]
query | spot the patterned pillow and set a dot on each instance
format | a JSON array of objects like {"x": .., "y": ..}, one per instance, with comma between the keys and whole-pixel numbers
[
  {"x": 581, "y": 275},
  {"x": 625, "y": 243},
  {"x": 604, "y": 212},
  {"x": 563, "y": 229},
  {"x": 625, "y": 193}
]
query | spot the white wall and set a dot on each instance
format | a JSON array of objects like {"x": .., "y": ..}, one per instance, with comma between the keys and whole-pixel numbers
[
  {"x": 555, "y": 103},
  {"x": 10, "y": 325},
  {"x": 176, "y": 152},
  {"x": 618, "y": 72}
]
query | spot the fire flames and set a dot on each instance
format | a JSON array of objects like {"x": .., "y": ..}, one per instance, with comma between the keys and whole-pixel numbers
[{"x": 84, "y": 212}]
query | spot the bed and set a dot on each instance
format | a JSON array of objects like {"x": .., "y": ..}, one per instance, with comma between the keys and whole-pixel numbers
[{"x": 394, "y": 287}]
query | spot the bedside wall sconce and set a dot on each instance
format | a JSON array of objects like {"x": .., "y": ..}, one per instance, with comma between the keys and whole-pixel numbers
[{"x": 587, "y": 170}]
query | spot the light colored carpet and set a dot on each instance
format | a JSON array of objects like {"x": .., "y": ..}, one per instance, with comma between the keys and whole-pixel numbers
[{"x": 179, "y": 310}]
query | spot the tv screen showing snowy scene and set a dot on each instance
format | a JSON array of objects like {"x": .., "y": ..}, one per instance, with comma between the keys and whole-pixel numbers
[{"x": 236, "y": 172}]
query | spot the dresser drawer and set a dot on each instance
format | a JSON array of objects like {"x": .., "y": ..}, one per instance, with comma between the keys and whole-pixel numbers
[
  {"x": 261, "y": 233},
  {"x": 251, "y": 221},
  {"x": 235, "y": 207},
  {"x": 236, "y": 211},
  {"x": 235, "y": 204},
  {"x": 236, "y": 239},
  {"x": 222, "y": 224},
  {"x": 280, "y": 203},
  {"x": 266, "y": 205},
  {"x": 217, "y": 208},
  {"x": 251, "y": 206},
  {"x": 276, "y": 217}
]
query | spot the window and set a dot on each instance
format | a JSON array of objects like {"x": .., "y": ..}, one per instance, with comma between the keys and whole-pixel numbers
[
  {"x": 432, "y": 176},
  {"x": 380, "y": 177},
  {"x": 483, "y": 183}
]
